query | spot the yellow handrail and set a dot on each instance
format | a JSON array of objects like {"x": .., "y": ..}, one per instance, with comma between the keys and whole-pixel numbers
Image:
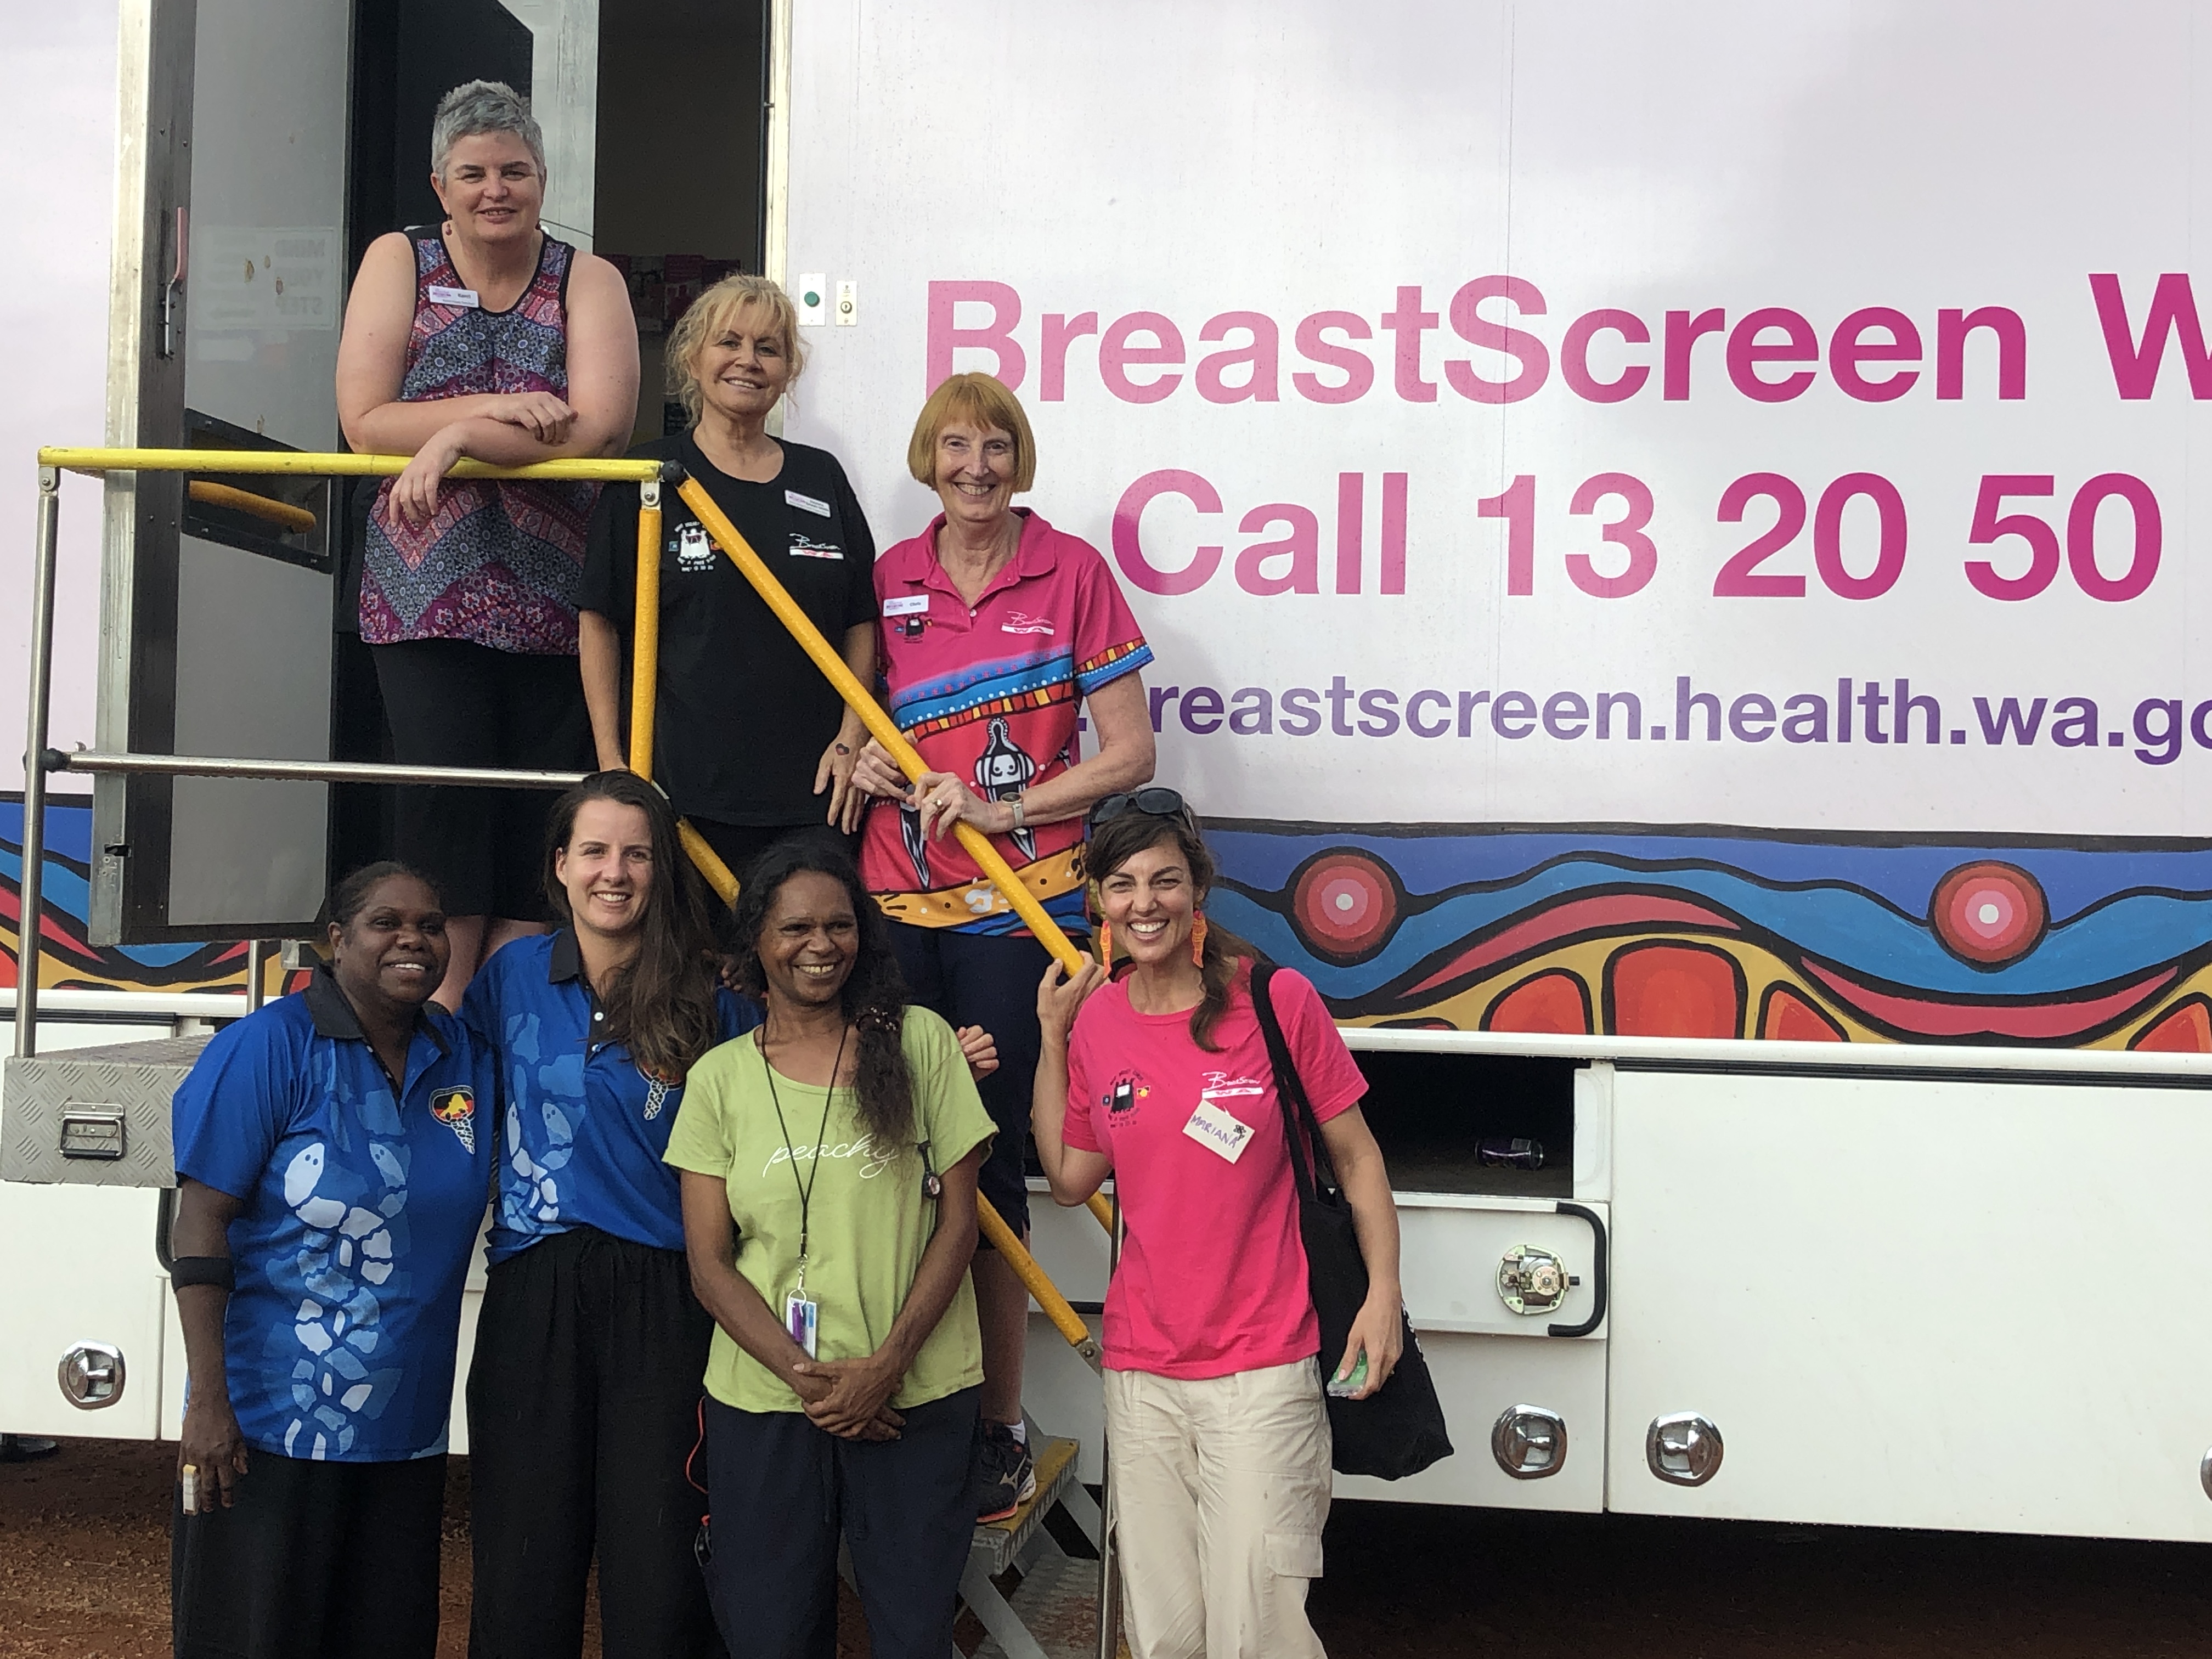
[
  {"x": 295, "y": 519},
  {"x": 880, "y": 726},
  {"x": 308, "y": 464}
]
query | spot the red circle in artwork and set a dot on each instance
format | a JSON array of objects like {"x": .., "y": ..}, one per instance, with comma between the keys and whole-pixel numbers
[
  {"x": 1345, "y": 904},
  {"x": 1989, "y": 914}
]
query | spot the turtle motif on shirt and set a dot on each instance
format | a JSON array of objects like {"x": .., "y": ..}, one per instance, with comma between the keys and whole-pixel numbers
[{"x": 348, "y": 1253}]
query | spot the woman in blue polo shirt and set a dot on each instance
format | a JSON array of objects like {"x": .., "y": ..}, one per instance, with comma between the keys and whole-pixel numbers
[
  {"x": 584, "y": 1392},
  {"x": 332, "y": 1174}
]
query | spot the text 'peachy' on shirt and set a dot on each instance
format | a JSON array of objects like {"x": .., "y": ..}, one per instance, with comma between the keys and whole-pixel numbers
[
  {"x": 361, "y": 1207},
  {"x": 869, "y": 1216}
]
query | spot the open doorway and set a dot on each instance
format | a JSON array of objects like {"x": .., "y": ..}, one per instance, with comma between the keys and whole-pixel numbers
[{"x": 683, "y": 134}]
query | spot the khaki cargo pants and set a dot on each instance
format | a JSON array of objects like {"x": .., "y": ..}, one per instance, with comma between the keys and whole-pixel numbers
[{"x": 1221, "y": 1486}]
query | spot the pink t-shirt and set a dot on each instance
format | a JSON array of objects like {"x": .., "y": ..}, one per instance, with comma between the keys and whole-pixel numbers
[
  {"x": 990, "y": 694},
  {"x": 1212, "y": 1276}
]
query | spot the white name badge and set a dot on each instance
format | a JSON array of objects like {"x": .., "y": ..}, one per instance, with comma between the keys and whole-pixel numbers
[
  {"x": 908, "y": 605},
  {"x": 1211, "y": 1128},
  {"x": 806, "y": 503},
  {"x": 464, "y": 297}
]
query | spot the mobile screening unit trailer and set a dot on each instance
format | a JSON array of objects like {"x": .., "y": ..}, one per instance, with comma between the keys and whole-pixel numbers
[{"x": 1666, "y": 532}]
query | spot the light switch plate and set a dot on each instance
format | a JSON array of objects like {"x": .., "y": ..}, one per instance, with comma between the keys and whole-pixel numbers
[{"x": 848, "y": 302}]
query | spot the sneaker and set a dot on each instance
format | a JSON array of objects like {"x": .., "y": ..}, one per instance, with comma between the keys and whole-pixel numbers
[{"x": 1006, "y": 1473}]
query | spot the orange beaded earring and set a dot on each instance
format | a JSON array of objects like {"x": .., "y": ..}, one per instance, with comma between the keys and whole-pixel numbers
[
  {"x": 1198, "y": 940},
  {"x": 1106, "y": 945}
]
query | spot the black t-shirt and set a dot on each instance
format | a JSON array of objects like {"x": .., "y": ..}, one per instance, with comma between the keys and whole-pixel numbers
[{"x": 743, "y": 714}]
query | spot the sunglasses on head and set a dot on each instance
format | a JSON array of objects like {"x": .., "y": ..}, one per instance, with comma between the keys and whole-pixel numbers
[{"x": 1153, "y": 803}]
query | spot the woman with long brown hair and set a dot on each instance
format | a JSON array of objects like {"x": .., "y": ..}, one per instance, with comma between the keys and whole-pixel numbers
[
  {"x": 583, "y": 1394},
  {"x": 829, "y": 1165},
  {"x": 1215, "y": 1421}
]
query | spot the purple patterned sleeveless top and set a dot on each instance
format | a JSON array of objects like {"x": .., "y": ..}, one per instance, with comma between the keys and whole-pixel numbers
[{"x": 501, "y": 562}]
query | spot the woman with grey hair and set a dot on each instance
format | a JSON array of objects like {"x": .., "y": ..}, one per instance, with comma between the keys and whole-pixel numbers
[{"x": 481, "y": 337}]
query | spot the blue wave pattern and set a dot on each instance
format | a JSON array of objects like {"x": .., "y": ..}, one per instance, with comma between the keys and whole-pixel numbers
[{"x": 2115, "y": 912}]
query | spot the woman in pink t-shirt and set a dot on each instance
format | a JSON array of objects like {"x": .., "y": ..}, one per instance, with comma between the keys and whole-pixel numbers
[{"x": 1215, "y": 1422}]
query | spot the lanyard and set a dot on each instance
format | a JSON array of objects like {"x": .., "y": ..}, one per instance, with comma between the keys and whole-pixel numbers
[{"x": 791, "y": 1156}]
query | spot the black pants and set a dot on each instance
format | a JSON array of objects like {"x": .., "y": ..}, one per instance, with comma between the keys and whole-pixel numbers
[
  {"x": 783, "y": 1493},
  {"x": 989, "y": 980},
  {"x": 311, "y": 1561},
  {"x": 583, "y": 1409},
  {"x": 451, "y": 702}
]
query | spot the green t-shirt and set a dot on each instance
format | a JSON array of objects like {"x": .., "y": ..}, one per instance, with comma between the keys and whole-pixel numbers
[{"x": 868, "y": 1222}]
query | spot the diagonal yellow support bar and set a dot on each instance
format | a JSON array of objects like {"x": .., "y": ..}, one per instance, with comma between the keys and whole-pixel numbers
[{"x": 880, "y": 724}]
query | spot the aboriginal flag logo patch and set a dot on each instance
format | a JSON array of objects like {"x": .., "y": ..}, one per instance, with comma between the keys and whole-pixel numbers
[{"x": 456, "y": 1108}]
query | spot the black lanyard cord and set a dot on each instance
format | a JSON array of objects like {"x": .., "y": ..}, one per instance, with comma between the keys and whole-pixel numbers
[{"x": 791, "y": 1153}]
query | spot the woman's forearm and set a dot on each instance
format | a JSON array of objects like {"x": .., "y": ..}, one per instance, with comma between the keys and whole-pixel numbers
[
  {"x": 1366, "y": 1181},
  {"x": 943, "y": 1265},
  {"x": 598, "y": 661},
  {"x": 732, "y": 1301},
  {"x": 401, "y": 429},
  {"x": 1048, "y": 1126}
]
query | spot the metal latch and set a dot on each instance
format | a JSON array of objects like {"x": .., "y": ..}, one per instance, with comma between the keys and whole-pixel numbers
[
  {"x": 1530, "y": 1442},
  {"x": 91, "y": 1375},
  {"x": 96, "y": 1134},
  {"x": 1683, "y": 1449},
  {"x": 1533, "y": 1280}
]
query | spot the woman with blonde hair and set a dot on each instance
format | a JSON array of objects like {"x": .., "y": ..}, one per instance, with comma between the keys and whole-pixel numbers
[{"x": 749, "y": 742}]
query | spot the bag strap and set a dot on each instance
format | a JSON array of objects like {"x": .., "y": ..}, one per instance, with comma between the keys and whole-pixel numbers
[{"x": 1313, "y": 1169}]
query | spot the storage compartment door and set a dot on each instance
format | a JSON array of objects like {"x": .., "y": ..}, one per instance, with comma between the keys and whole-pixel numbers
[{"x": 1950, "y": 1304}]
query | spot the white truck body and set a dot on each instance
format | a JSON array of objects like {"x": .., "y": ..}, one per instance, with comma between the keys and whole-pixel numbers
[{"x": 1666, "y": 534}]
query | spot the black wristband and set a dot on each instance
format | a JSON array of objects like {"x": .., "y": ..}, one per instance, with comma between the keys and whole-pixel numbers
[{"x": 203, "y": 1270}]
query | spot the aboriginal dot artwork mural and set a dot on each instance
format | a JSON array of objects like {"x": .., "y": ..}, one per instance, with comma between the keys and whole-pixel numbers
[{"x": 1784, "y": 938}]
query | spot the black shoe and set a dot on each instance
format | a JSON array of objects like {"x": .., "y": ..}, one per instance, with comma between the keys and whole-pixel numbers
[
  {"x": 1006, "y": 1473},
  {"x": 26, "y": 1447}
]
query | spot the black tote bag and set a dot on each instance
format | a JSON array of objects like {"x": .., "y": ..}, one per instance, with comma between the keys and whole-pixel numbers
[{"x": 1399, "y": 1430}]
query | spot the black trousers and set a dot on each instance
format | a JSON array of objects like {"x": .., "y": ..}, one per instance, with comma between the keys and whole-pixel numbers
[
  {"x": 452, "y": 702},
  {"x": 785, "y": 1491},
  {"x": 311, "y": 1561},
  {"x": 583, "y": 1411},
  {"x": 989, "y": 980}
]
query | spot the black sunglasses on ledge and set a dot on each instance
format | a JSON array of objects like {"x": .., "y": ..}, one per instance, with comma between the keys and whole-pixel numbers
[{"x": 1153, "y": 803}]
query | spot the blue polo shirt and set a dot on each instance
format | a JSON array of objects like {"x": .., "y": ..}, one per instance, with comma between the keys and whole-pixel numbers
[
  {"x": 363, "y": 1205},
  {"x": 583, "y": 1127}
]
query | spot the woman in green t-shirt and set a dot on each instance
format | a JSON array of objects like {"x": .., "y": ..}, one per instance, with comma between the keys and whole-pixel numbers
[{"x": 829, "y": 1162}]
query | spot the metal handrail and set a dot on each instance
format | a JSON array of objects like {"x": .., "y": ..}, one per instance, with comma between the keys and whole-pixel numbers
[{"x": 40, "y": 757}]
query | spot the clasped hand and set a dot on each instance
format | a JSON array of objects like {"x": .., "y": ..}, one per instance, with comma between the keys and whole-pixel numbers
[
  {"x": 942, "y": 799},
  {"x": 850, "y": 1397}
]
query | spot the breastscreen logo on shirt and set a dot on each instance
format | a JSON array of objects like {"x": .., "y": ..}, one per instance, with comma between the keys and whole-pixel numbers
[
  {"x": 1121, "y": 1096},
  {"x": 1020, "y": 621},
  {"x": 456, "y": 1108},
  {"x": 694, "y": 551}
]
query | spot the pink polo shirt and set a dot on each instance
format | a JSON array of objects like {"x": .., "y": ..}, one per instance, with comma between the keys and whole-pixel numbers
[
  {"x": 990, "y": 694},
  {"x": 1212, "y": 1274}
]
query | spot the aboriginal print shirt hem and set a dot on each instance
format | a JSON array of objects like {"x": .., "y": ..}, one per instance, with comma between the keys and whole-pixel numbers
[{"x": 990, "y": 693}]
